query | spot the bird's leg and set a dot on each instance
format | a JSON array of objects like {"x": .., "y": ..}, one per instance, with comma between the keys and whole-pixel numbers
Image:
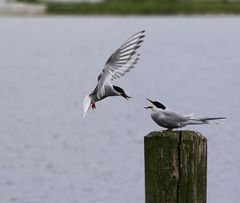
[{"x": 93, "y": 105}]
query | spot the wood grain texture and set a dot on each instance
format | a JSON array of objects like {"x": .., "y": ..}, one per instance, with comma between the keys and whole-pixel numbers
[{"x": 175, "y": 167}]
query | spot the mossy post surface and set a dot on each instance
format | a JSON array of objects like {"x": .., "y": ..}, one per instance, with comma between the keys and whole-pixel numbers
[{"x": 175, "y": 167}]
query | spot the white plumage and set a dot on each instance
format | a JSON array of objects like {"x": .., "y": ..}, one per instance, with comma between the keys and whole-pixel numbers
[
  {"x": 170, "y": 119},
  {"x": 119, "y": 63}
]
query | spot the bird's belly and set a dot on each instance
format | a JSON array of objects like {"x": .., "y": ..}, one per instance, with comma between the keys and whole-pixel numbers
[{"x": 101, "y": 97}]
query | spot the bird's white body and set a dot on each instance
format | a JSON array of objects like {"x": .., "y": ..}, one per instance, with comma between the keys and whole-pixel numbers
[
  {"x": 170, "y": 119},
  {"x": 94, "y": 96}
]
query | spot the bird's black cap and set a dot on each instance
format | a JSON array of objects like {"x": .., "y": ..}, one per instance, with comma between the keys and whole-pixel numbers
[
  {"x": 157, "y": 104},
  {"x": 121, "y": 92}
]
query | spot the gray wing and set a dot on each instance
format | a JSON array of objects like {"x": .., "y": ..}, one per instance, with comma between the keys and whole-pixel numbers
[
  {"x": 121, "y": 61},
  {"x": 175, "y": 118}
]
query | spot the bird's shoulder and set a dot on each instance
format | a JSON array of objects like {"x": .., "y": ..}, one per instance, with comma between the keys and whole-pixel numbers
[{"x": 174, "y": 115}]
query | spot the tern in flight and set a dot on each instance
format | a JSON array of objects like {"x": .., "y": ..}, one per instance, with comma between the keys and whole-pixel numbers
[{"x": 119, "y": 63}]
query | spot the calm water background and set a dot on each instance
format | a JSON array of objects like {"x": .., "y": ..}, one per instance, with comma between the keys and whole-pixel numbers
[{"x": 48, "y": 153}]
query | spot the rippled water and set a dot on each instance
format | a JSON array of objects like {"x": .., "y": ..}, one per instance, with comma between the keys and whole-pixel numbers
[{"x": 50, "y": 154}]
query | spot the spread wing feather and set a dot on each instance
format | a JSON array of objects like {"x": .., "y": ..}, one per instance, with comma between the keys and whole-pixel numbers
[{"x": 120, "y": 62}]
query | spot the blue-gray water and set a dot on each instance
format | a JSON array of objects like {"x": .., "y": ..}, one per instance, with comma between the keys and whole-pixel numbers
[{"x": 49, "y": 154}]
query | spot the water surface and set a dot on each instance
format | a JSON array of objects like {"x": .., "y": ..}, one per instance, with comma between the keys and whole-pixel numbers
[{"x": 50, "y": 154}]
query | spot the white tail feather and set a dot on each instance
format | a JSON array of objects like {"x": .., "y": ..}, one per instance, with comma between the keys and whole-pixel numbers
[
  {"x": 205, "y": 120},
  {"x": 86, "y": 104}
]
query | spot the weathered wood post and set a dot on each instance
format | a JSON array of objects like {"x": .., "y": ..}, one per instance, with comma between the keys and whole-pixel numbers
[{"x": 175, "y": 167}]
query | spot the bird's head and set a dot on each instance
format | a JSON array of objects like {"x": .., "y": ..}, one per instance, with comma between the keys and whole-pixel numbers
[
  {"x": 156, "y": 104},
  {"x": 121, "y": 92}
]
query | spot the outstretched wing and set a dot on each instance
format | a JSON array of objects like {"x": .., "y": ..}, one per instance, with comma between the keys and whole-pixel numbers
[{"x": 121, "y": 61}]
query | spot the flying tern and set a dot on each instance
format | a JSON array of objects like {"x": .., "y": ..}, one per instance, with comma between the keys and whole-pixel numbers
[
  {"x": 119, "y": 63},
  {"x": 170, "y": 119}
]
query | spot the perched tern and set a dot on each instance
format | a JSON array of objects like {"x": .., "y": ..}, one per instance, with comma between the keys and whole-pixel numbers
[
  {"x": 120, "y": 62},
  {"x": 170, "y": 119}
]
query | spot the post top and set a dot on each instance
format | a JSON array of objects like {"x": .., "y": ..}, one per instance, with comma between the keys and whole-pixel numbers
[{"x": 186, "y": 134}]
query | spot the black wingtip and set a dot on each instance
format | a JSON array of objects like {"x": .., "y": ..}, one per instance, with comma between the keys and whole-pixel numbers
[{"x": 143, "y": 35}]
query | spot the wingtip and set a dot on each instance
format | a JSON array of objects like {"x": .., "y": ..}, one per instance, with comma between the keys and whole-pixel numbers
[{"x": 142, "y": 33}]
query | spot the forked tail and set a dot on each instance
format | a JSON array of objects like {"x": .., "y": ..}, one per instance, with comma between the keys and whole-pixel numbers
[
  {"x": 204, "y": 120},
  {"x": 86, "y": 104}
]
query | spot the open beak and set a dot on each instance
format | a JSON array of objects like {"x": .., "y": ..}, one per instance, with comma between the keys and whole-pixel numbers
[
  {"x": 126, "y": 96},
  {"x": 149, "y": 100},
  {"x": 149, "y": 107}
]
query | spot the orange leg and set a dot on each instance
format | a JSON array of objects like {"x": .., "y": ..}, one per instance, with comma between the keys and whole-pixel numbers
[{"x": 93, "y": 105}]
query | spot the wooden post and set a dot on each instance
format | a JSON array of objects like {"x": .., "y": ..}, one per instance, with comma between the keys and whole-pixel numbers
[{"x": 175, "y": 167}]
